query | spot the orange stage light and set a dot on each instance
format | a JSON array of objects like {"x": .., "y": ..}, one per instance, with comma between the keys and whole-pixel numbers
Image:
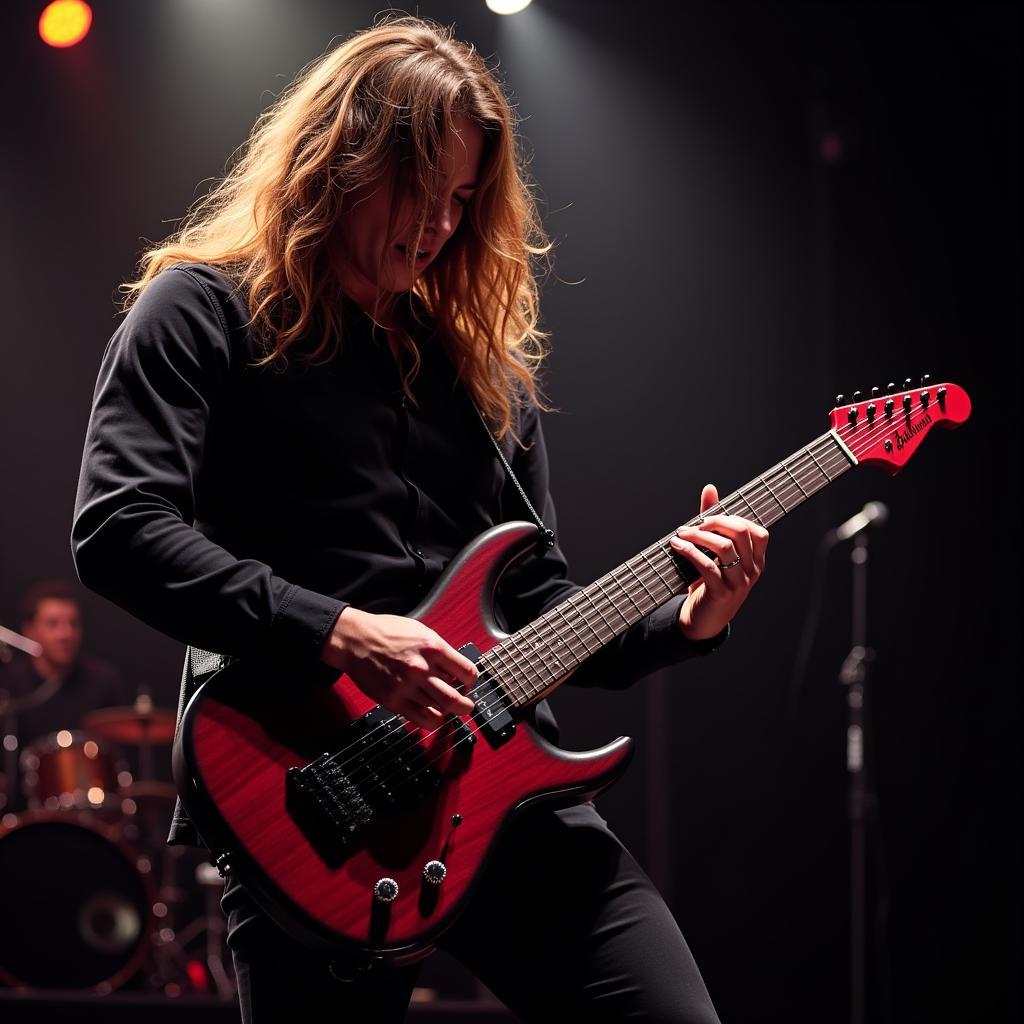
[{"x": 65, "y": 22}]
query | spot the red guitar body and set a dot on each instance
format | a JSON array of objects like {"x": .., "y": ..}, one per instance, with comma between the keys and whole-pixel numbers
[{"x": 242, "y": 732}]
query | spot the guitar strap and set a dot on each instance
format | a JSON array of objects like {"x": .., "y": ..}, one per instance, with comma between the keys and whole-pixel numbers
[{"x": 547, "y": 536}]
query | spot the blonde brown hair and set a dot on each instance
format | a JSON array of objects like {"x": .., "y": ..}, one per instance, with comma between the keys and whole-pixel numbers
[{"x": 389, "y": 93}]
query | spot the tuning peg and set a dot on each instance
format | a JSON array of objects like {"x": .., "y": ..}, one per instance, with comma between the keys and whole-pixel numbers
[
  {"x": 857, "y": 396},
  {"x": 875, "y": 392},
  {"x": 925, "y": 380},
  {"x": 890, "y": 388},
  {"x": 889, "y": 405},
  {"x": 908, "y": 384},
  {"x": 852, "y": 415},
  {"x": 840, "y": 399},
  {"x": 907, "y": 403}
]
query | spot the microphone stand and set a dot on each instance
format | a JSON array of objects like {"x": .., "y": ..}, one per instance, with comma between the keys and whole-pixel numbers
[{"x": 853, "y": 675}]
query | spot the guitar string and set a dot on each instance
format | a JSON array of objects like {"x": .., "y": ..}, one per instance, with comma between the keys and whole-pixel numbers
[
  {"x": 756, "y": 494},
  {"x": 412, "y": 736},
  {"x": 649, "y": 575},
  {"x": 439, "y": 754},
  {"x": 835, "y": 459}
]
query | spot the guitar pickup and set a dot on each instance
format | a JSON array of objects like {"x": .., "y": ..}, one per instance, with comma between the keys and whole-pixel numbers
[{"x": 491, "y": 714}]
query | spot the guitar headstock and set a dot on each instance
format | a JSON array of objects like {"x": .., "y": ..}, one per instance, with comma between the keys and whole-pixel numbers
[{"x": 885, "y": 429}]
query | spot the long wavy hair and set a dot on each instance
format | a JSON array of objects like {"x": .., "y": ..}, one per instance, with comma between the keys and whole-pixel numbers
[{"x": 384, "y": 99}]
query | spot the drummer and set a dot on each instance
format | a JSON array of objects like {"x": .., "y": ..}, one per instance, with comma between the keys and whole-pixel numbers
[{"x": 56, "y": 689}]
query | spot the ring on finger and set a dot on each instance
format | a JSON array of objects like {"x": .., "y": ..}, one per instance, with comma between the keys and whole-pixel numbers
[{"x": 729, "y": 565}]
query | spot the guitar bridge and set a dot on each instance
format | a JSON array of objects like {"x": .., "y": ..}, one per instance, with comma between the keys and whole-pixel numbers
[{"x": 380, "y": 768}]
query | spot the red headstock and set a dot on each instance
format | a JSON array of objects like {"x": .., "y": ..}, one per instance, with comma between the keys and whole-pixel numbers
[{"x": 886, "y": 429}]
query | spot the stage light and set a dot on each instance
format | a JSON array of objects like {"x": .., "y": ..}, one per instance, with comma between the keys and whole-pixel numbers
[
  {"x": 507, "y": 6},
  {"x": 65, "y": 22}
]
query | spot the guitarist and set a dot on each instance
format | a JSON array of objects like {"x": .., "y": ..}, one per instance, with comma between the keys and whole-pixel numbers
[{"x": 285, "y": 451}]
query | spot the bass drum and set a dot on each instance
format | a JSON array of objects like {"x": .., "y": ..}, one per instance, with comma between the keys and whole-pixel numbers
[{"x": 77, "y": 909}]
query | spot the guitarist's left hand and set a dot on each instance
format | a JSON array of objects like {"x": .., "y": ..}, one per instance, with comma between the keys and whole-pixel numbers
[{"x": 717, "y": 596}]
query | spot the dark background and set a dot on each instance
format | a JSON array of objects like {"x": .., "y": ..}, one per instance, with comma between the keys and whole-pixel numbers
[{"x": 756, "y": 207}]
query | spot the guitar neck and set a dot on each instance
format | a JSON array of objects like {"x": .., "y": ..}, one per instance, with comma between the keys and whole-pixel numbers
[{"x": 536, "y": 659}]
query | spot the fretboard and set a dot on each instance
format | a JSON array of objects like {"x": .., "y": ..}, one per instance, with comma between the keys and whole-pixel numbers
[{"x": 533, "y": 661}]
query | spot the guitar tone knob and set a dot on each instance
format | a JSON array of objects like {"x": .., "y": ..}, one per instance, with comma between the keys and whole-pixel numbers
[
  {"x": 435, "y": 872},
  {"x": 385, "y": 890}
]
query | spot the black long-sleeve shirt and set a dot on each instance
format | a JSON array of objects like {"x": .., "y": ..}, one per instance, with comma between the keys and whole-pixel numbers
[{"x": 239, "y": 509}]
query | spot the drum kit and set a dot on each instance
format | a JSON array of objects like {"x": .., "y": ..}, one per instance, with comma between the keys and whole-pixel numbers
[{"x": 94, "y": 899}]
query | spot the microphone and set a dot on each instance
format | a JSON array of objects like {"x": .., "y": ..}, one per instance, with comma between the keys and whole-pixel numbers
[{"x": 874, "y": 513}]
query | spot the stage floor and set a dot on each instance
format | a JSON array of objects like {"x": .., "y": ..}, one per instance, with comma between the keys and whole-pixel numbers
[{"x": 37, "y": 1006}]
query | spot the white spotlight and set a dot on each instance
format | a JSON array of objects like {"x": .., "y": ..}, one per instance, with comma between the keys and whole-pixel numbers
[{"x": 507, "y": 6}]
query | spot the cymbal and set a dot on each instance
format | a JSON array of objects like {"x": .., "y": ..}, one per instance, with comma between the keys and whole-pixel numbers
[{"x": 132, "y": 725}]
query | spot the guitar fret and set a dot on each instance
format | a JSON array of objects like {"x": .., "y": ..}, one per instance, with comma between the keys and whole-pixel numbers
[
  {"x": 654, "y": 566},
  {"x": 507, "y": 653},
  {"x": 575, "y": 602},
  {"x": 828, "y": 479},
  {"x": 797, "y": 482},
  {"x": 625, "y": 592},
  {"x": 629, "y": 565},
  {"x": 772, "y": 493},
  {"x": 569, "y": 623},
  {"x": 600, "y": 586},
  {"x": 753, "y": 511},
  {"x": 545, "y": 646}
]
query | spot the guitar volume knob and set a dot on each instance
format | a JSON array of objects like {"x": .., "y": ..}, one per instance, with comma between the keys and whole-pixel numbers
[
  {"x": 385, "y": 890},
  {"x": 435, "y": 872}
]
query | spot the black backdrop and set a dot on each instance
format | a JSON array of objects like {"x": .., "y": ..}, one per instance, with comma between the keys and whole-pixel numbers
[{"x": 756, "y": 207}]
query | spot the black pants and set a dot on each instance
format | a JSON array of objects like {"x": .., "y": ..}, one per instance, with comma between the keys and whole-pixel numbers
[{"x": 566, "y": 926}]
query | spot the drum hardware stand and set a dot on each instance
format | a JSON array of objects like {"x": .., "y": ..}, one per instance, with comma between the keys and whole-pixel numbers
[
  {"x": 9, "y": 732},
  {"x": 169, "y": 957},
  {"x": 169, "y": 950},
  {"x": 10, "y": 706}
]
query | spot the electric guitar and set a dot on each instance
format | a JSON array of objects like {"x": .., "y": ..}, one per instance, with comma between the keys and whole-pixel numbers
[{"x": 359, "y": 832}]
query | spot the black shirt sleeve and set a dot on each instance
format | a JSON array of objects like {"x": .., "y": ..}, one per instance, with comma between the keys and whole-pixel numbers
[
  {"x": 539, "y": 582},
  {"x": 163, "y": 377}
]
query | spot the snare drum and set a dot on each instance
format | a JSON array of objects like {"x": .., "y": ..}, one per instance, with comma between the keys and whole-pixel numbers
[
  {"x": 78, "y": 903},
  {"x": 68, "y": 770}
]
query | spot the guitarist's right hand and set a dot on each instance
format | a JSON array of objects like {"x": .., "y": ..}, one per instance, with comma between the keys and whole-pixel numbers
[{"x": 399, "y": 663}]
